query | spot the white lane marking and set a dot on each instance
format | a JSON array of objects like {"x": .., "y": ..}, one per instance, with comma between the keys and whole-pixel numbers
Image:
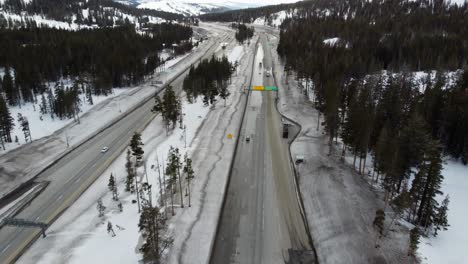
[{"x": 6, "y": 248}]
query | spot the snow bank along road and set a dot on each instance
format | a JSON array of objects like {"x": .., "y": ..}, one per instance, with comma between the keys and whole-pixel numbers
[
  {"x": 261, "y": 220},
  {"x": 73, "y": 174}
]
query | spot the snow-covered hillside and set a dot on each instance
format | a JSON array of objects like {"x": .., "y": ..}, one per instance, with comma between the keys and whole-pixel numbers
[
  {"x": 181, "y": 7},
  {"x": 199, "y": 7}
]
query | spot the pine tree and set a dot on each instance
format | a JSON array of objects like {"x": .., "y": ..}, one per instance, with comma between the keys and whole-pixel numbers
[
  {"x": 188, "y": 170},
  {"x": 414, "y": 241},
  {"x": 169, "y": 107},
  {"x": 440, "y": 220},
  {"x": 9, "y": 88},
  {"x": 129, "y": 183},
  {"x": 43, "y": 106},
  {"x": 113, "y": 188},
  {"x": 223, "y": 91},
  {"x": 137, "y": 150},
  {"x": 110, "y": 229},
  {"x": 6, "y": 120},
  {"x": 171, "y": 173},
  {"x": 51, "y": 99},
  {"x": 89, "y": 95},
  {"x": 100, "y": 207},
  {"x": 153, "y": 227},
  {"x": 24, "y": 123},
  {"x": 432, "y": 179}
]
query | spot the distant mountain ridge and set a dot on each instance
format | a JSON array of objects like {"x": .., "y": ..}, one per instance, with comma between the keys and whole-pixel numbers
[
  {"x": 191, "y": 7},
  {"x": 75, "y": 14}
]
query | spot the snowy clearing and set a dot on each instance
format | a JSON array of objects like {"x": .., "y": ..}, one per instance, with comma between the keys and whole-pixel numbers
[
  {"x": 47, "y": 126},
  {"x": 276, "y": 19},
  {"x": 450, "y": 246}
]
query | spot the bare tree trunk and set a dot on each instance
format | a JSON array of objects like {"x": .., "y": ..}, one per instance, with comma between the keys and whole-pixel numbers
[
  {"x": 364, "y": 165},
  {"x": 343, "y": 152},
  {"x": 354, "y": 160},
  {"x": 172, "y": 198},
  {"x": 180, "y": 187},
  {"x": 161, "y": 197},
  {"x": 318, "y": 120},
  {"x": 360, "y": 163},
  {"x": 189, "y": 193}
]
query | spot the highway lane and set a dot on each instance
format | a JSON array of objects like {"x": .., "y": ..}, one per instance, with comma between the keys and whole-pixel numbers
[
  {"x": 73, "y": 174},
  {"x": 261, "y": 220}
]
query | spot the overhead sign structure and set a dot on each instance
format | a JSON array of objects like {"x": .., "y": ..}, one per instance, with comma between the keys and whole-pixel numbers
[{"x": 265, "y": 88}]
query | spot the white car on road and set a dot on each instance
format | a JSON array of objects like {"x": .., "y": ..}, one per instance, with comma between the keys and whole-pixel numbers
[{"x": 104, "y": 149}]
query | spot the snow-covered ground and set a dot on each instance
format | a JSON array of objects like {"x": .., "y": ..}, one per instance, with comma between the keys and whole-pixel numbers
[
  {"x": 43, "y": 21},
  {"x": 450, "y": 246},
  {"x": 276, "y": 19},
  {"x": 47, "y": 126},
  {"x": 25, "y": 162},
  {"x": 80, "y": 236},
  {"x": 83, "y": 233}
]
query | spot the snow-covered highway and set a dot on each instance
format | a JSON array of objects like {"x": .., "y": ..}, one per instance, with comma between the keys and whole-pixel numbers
[{"x": 261, "y": 220}]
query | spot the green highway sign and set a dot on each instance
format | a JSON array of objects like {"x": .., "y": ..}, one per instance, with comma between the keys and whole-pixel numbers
[{"x": 271, "y": 88}]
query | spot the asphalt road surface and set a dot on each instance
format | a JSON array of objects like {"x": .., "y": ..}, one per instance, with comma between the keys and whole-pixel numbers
[
  {"x": 261, "y": 221},
  {"x": 72, "y": 175}
]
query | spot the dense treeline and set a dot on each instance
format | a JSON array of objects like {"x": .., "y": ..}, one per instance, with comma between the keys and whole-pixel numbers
[
  {"x": 100, "y": 12},
  {"x": 209, "y": 79},
  {"x": 243, "y": 32},
  {"x": 109, "y": 57},
  {"x": 340, "y": 52},
  {"x": 90, "y": 62}
]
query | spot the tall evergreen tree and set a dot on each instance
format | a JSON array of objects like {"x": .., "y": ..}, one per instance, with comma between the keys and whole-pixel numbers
[
  {"x": 440, "y": 220},
  {"x": 153, "y": 227},
  {"x": 137, "y": 150},
  {"x": 189, "y": 176},
  {"x": 129, "y": 182},
  {"x": 6, "y": 120},
  {"x": 9, "y": 88}
]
